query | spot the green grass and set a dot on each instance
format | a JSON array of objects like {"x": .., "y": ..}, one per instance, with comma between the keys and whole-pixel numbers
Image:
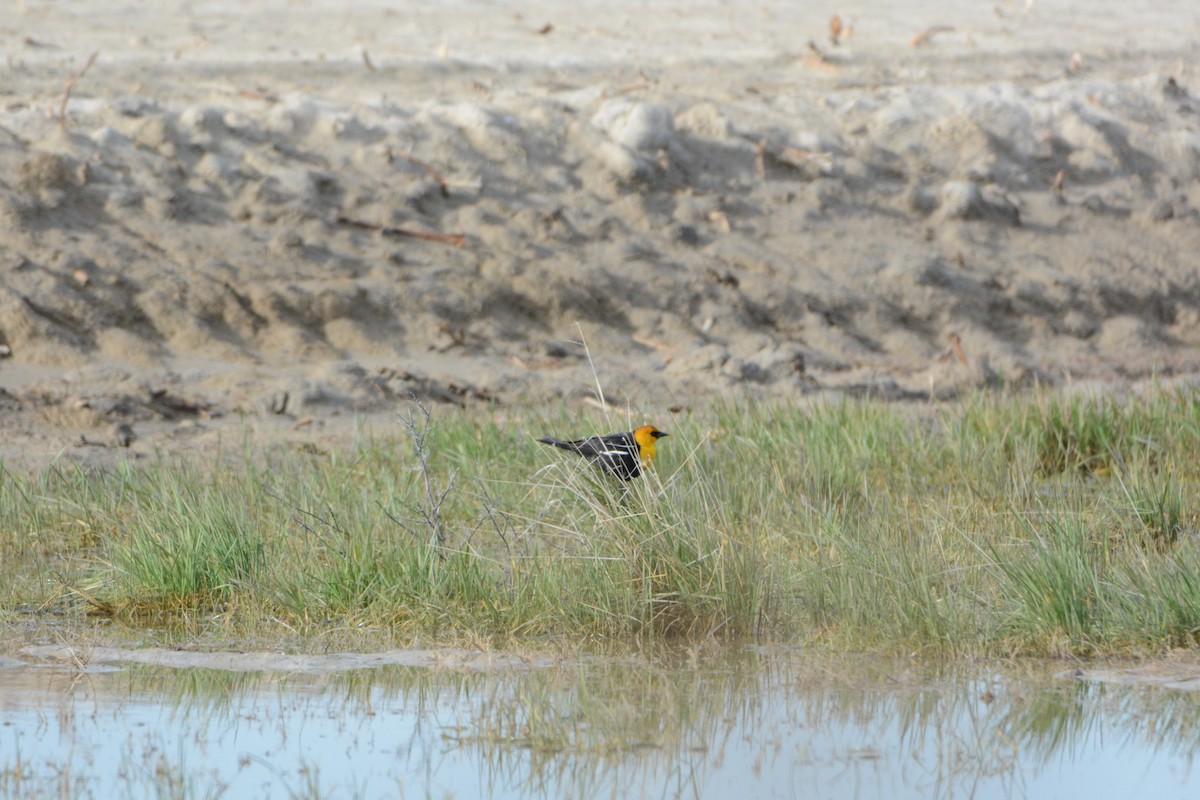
[{"x": 1041, "y": 525}]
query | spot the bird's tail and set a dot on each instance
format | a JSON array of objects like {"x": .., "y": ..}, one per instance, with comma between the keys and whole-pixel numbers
[{"x": 556, "y": 443}]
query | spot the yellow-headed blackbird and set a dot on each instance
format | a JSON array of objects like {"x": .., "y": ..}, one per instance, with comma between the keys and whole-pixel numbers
[{"x": 619, "y": 454}]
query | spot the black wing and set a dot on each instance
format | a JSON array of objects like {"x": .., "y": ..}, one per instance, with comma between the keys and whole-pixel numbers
[{"x": 617, "y": 454}]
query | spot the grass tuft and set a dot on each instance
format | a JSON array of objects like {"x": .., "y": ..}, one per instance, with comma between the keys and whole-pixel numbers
[{"x": 997, "y": 525}]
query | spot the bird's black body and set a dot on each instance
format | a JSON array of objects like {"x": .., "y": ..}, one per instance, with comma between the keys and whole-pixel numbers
[{"x": 618, "y": 454}]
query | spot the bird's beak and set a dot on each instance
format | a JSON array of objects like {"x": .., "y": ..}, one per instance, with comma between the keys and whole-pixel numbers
[{"x": 659, "y": 434}]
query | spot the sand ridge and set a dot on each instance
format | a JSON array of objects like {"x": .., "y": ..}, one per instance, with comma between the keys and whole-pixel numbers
[{"x": 244, "y": 213}]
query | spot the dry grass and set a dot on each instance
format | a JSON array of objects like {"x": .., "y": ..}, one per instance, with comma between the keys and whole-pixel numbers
[{"x": 1032, "y": 525}]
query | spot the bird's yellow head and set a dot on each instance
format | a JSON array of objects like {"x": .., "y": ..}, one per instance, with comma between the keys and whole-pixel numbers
[{"x": 646, "y": 437}]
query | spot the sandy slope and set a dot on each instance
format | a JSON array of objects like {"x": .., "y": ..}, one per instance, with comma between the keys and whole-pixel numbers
[{"x": 714, "y": 195}]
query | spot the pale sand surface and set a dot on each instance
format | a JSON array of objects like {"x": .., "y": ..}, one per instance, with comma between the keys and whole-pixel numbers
[{"x": 713, "y": 195}]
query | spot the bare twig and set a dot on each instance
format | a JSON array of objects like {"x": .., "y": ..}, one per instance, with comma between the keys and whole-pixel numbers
[
  {"x": 457, "y": 335},
  {"x": 329, "y": 523},
  {"x": 765, "y": 154},
  {"x": 417, "y": 422},
  {"x": 647, "y": 341},
  {"x": 640, "y": 86},
  {"x": 494, "y": 515},
  {"x": 925, "y": 36},
  {"x": 452, "y": 239},
  {"x": 956, "y": 346},
  {"x": 796, "y": 157},
  {"x": 434, "y": 175},
  {"x": 839, "y": 30},
  {"x": 1058, "y": 184},
  {"x": 62, "y": 109},
  {"x": 491, "y": 510},
  {"x": 257, "y": 94},
  {"x": 399, "y": 522},
  {"x": 537, "y": 363}
]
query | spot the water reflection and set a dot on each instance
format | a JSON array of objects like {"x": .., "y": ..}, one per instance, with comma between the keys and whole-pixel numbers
[{"x": 757, "y": 724}]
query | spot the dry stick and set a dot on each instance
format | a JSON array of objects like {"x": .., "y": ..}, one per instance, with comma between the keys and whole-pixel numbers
[
  {"x": 257, "y": 94},
  {"x": 835, "y": 29},
  {"x": 330, "y": 525},
  {"x": 956, "y": 346},
  {"x": 791, "y": 156},
  {"x": 796, "y": 156},
  {"x": 420, "y": 440},
  {"x": 430, "y": 171},
  {"x": 652, "y": 343},
  {"x": 636, "y": 87},
  {"x": 62, "y": 110},
  {"x": 927, "y": 35},
  {"x": 452, "y": 239},
  {"x": 1060, "y": 179}
]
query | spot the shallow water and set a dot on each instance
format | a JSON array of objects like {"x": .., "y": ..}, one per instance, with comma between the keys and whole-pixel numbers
[{"x": 748, "y": 724}]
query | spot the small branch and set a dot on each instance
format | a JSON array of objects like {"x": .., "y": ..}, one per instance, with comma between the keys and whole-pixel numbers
[
  {"x": 452, "y": 239},
  {"x": 399, "y": 522},
  {"x": 794, "y": 157},
  {"x": 491, "y": 510},
  {"x": 62, "y": 109},
  {"x": 1058, "y": 185},
  {"x": 655, "y": 344},
  {"x": 956, "y": 346},
  {"x": 330, "y": 524},
  {"x": 430, "y": 171},
  {"x": 836, "y": 30},
  {"x": 419, "y": 432},
  {"x": 640, "y": 86},
  {"x": 257, "y": 94},
  {"x": 926, "y": 36},
  {"x": 326, "y": 529}
]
